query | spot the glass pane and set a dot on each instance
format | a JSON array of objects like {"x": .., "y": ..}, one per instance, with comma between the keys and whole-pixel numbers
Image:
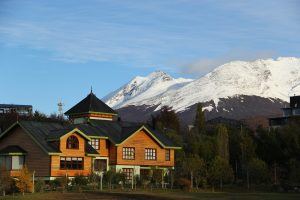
[
  {"x": 17, "y": 162},
  {"x": 8, "y": 162}
]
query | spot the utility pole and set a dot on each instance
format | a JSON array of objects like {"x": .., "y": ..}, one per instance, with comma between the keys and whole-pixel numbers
[
  {"x": 101, "y": 181},
  {"x": 33, "y": 181},
  {"x": 60, "y": 109}
]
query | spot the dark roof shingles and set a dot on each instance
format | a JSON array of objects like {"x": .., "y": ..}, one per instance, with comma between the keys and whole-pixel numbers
[
  {"x": 12, "y": 149},
  {"x": 90, "y": 104}
]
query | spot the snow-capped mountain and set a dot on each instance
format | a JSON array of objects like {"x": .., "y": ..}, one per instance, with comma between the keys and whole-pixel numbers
[
  {"x": 269, "y": 78},
  {"x": 141, "y": 88}
]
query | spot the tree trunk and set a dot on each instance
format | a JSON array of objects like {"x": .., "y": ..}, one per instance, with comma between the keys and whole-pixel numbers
[
  {"x": 192, "y": 180},
  {"x": 172, "y": 180},
  {"x": 275, "y": 173},
  {"x": 236, "y": 170},
  {"x": 221, "y": 184},
  {"x": 248, "y": 181}
]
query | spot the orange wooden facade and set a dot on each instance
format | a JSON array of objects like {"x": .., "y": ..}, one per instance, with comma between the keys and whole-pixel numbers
[
  {"x": 80, "y": 152},
  {"x": 104, "y": 147},
  {"x": 140, "y": 141},
  {"x": 49, "y": 165},
  {"x": 93, "y": 115}
]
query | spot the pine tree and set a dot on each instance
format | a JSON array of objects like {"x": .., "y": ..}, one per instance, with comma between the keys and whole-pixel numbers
[
  {"x": 220, "y": 171},
  {"x": 223, "y": 142},
  {"x": 199, "y": 122}
]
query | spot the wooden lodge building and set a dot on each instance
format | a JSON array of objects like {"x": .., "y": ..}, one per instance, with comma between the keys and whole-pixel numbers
[
  {"x": 94, "y": 141},
  {"x": 288, "y": 113}
]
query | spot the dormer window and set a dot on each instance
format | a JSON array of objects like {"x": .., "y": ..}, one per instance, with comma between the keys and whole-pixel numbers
[{"x": 72, "y": 142}]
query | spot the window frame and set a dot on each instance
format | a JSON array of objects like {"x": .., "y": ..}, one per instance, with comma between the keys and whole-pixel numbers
[
  {"x": 74, "y": 144},
  {"x": 94, "y": 144},
  {"x": 129, "y": 173},
  {"x": 8, "y": 162},
  {"x": 168, "y": 154},
  {"x": 69, "y": 163},
  {"x": 150, "y": 154},
  {"x": 128, "y": 153}
]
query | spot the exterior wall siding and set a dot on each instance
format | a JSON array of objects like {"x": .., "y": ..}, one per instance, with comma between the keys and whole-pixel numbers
[
  {"x": 45, "y": 165},
  {"x": 80, "y": 152},
  {"x": 103, "y": 150},
  {"x": 112, "y": 154},
  {"x": 36, "y": 159},
  {"x": 140, "y": 141}
]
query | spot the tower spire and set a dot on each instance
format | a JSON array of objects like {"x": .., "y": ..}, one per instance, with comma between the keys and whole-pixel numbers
[{"x": 91, "y": 89}]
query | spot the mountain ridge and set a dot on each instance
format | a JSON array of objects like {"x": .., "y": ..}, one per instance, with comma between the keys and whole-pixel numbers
[{"x": 267, "y": 78}]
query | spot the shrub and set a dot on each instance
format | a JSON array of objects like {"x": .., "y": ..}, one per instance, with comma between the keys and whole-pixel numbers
[
  {"x": 39, "y": 185},
  {"x": 6, "y": 181},
  {"x": 54, "y": 184},
  {"x": 94, "y": 180},
  {"x": 62, "y": 182},
  {"x": 183, "y": 183},
  {"x": 79, "y": 181},
  {"x": 24, "y": 182}
]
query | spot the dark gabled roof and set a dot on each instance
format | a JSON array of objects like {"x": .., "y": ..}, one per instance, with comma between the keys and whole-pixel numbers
[
  {"x": 90, "y": 104},
  {"x": 12, "y": 149},
  {"x": 89, "y": 149},
  {"x": 46, "y": 133},
  {"x": 111, "y": 128},
  {"x": 162, "y": 137},
  {"x": 39, "y": 131},
  {"x": 84, "y": 128},
  {"x": 120, "y": 131}
]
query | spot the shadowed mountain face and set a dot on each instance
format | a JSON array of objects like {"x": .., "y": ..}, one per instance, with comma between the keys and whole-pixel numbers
[
  {"x": 239, "y": 107},
  {"x": 236, "y": 90},
  {"x": 271, "y": 78}
]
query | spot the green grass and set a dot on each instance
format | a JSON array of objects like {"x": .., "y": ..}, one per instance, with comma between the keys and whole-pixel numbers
[{"x": 159, "y": 195}]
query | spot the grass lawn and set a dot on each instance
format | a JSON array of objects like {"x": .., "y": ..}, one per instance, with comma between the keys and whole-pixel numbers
[{"x": 154, "y": 196}]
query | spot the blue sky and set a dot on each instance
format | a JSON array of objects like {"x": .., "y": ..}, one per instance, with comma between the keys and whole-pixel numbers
[{"x": 52, "y": 50}]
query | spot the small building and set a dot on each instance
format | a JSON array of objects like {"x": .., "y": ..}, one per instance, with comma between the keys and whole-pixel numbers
[
  {"x": 287, "y": 113},
  {"x": 95, "y": 141},
  {"x": 23, "y": 110}
]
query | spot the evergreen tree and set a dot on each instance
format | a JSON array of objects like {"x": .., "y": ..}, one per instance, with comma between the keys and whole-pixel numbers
[
  {"x": 195, "y": 168},
  {"x": 258, "y": 171},
  {"x": 199, "y": 122},
  {"x": 247, "y": 153},
  {"x": 168, "y": 123},
  {"x": 168, "y": 119},
  {"x": 220, "y": 171},
  {"x": 223, "y": 142}
]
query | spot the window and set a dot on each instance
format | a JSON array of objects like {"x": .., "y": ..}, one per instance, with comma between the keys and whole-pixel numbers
[
  {"x": 17, "y": 162},
  {"x": 71, "y": 163},
  {"x": 167, "y": 154},
  {"x": 128, "y": 153},
  {"x": 72, "y": 142},
  {"x": 12, "y": 162},
  {"x": 95, "y": 143},
  {"x": 150, "y": 154},
  {"x": 128, "y": 173},
  {"x": 100, "y": 165}
]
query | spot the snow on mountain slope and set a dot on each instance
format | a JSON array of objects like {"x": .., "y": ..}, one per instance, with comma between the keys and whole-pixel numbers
[
  {"x": 141, "y": 88},
  {"x": 268, "y": 78}
]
